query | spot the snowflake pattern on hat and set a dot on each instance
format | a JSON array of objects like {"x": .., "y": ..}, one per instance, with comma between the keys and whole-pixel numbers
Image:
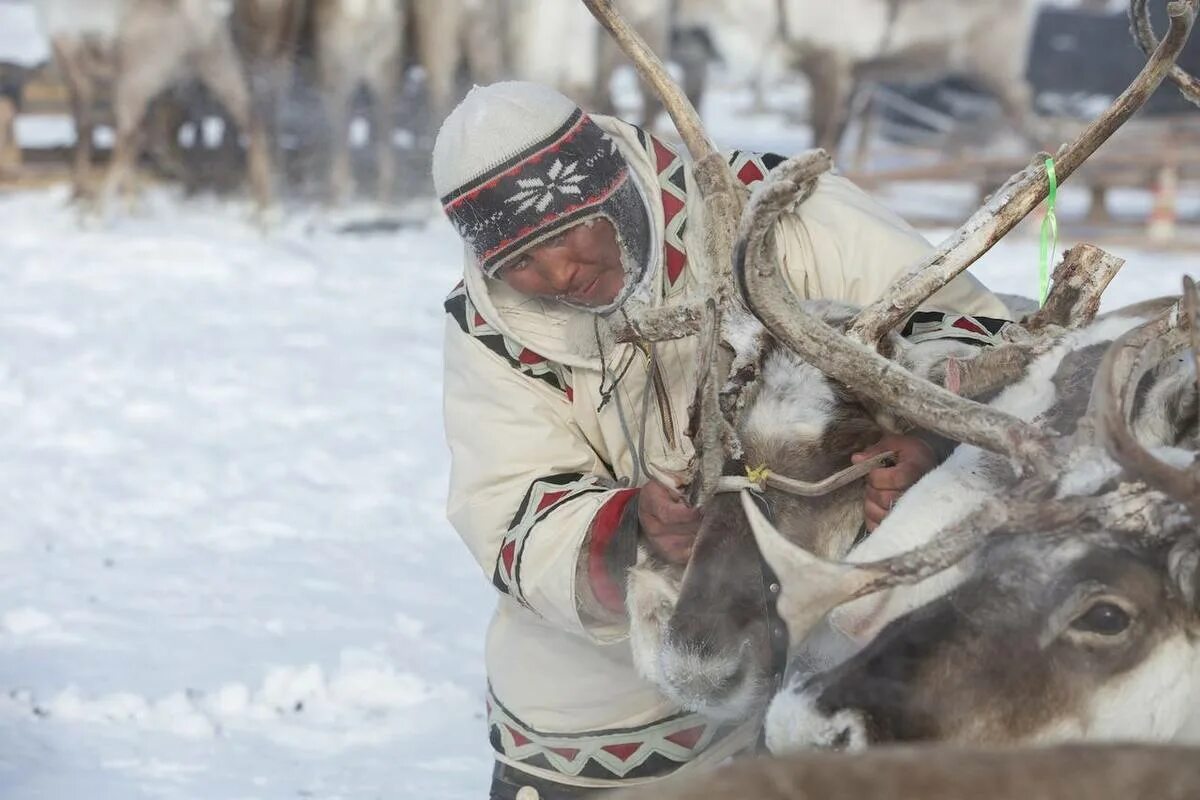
[{"x": 539, "y": 192}]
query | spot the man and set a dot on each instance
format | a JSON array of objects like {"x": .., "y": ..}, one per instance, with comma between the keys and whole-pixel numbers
[{"x": 569, "y": 449}]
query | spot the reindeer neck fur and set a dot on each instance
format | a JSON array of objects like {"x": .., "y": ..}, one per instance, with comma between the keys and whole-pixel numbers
[{"x": 801, "y": 424}]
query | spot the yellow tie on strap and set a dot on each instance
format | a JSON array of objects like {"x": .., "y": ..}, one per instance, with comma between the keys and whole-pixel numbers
[{"x": 758, "y": 474}]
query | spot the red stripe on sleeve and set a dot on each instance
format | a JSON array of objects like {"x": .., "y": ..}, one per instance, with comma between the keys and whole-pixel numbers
[{"x": 604, "y": 527}]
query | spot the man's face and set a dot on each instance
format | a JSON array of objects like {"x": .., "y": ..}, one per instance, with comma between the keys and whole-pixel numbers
[{"x": 581, "y": 266}]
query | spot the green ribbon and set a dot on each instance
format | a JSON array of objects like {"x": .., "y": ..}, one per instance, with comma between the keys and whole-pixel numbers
[{"x": 1049, "y": 234}]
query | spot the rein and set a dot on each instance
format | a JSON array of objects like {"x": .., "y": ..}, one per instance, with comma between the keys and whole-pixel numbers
[
  {"x": 777, "y": 637},
  {"x": 758, "y": 479}
]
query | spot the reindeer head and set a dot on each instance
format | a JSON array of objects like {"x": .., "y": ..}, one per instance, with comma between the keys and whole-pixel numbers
[
  {"x": 1058, "y": 635},
  {"x": 716, "y": 654}
]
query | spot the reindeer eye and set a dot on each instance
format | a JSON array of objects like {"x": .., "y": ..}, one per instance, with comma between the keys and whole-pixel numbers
[{"x": 1106, "y": 619}]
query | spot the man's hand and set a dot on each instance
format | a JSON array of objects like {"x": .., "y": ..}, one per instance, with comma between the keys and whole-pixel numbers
[
  {"x": 668, "y": 523},
  {"x": 914, "y": 458}
]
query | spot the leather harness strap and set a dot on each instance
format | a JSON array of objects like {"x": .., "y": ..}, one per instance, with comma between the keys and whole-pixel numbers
[{"x": 777, "y": 635}]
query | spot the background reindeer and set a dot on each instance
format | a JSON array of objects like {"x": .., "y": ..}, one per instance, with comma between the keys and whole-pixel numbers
[
  {"x": 585, "y": 71},
  {"x": 451, "y": 38},
  {"x": 84, "y": 41},
  {"x": 838, "y": 46},
  {"x": 266, "y": 34},
  {"x": 360, "y": 44},
  {"x": 12, "y": 78},
  {"x": 144, "y": 47}
]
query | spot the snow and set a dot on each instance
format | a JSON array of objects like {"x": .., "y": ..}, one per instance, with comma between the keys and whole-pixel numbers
[{"x": 229, "y": 570}]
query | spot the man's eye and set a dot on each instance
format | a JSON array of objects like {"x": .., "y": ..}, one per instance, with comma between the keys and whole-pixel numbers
[{"x": 518, "y": 265}]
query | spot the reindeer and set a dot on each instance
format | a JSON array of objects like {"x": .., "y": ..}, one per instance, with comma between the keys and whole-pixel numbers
[
  {"x": 838, "y": 45},
  {"x": 536, "y": 29},
  {"x": 360, "y": 43},
  {"x": 83, "y": 39},
  {"x": 723, "y": 665},
  {"x": 162, "y": 42},
  {"x": 921, "y": 773},
  {"x": 12, "y": 80},
  {"x": 449, "y": 34},
  {"x": 709, "y": 638},
  {"x": 266, "y": 34},
  {"x": 652, "y": 19},
  {"x": 144, "y": 47}
]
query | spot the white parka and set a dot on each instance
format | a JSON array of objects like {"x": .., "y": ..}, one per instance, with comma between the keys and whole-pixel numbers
[{"x": 541, "y": 462}]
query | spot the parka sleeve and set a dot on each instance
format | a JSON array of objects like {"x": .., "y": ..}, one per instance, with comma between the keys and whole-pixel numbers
[{"x": 535, "y": 504}]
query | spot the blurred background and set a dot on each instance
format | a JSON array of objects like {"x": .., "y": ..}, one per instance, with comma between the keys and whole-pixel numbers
[
  {"x": 302, "y": 101},
  {"x": 228, "y": 572}
]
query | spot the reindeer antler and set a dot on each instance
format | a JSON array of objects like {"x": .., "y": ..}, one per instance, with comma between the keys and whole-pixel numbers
[
  {"x": 1078, "y": 282},
  {"x": 723, "y": 196},
  {"x": 822, "y": 585},
  {"x": 1023, "y": 191},
  {"x": 861, "y": 368},
  {"x": 1143, "y": 34},
  {"x": 1191, "y": 316},
  {"x": 654, "y": 72},
  {"x": 1121, "y": 371}
]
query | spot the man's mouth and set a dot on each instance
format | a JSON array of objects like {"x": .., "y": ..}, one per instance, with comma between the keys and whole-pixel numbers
[{"x": 584, "y": 295}]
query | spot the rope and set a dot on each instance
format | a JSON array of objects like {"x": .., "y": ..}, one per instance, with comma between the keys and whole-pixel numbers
[
  {"x": 1049, "y": 235},
  {"x": 760, "y": 478},
  {"x": 648, "y": 390},
  {"x": 605, "y": 375},
  {"x": 636, "y": 446}
]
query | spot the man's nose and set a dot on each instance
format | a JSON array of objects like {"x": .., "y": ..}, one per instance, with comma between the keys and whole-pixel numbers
[{"x": 560, "y": 273}]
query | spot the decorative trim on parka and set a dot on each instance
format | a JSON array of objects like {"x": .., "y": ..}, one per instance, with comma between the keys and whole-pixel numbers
[
  {"x": 544, "y": 496},
  {"x": 459, "y": 306},
  {"x": 644, "y": 751},
  {"x": 924, "y": 326}
]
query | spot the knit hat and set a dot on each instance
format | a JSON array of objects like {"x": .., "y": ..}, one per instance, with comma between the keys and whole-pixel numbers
[{"x": 517, "y": 162}]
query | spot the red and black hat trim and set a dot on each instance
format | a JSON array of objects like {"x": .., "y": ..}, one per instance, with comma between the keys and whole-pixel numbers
[{"x": 550, "y": 185}]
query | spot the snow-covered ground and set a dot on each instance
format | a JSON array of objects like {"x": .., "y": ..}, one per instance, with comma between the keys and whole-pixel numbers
[{"x": 227, "y": 571}]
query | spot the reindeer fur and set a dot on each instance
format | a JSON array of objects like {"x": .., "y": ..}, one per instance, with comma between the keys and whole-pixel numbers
[{"x": 947, "y": 773}]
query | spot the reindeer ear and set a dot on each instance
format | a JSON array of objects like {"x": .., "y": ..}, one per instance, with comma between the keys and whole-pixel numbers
[
  {"x": 809, "y": 587},
  {"x": 1165, "y": 414},
  {"x": 1183, "y": 564}
]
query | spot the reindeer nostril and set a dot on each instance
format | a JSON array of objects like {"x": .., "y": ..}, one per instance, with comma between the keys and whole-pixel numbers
[{"x": 841, "y": 740}]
